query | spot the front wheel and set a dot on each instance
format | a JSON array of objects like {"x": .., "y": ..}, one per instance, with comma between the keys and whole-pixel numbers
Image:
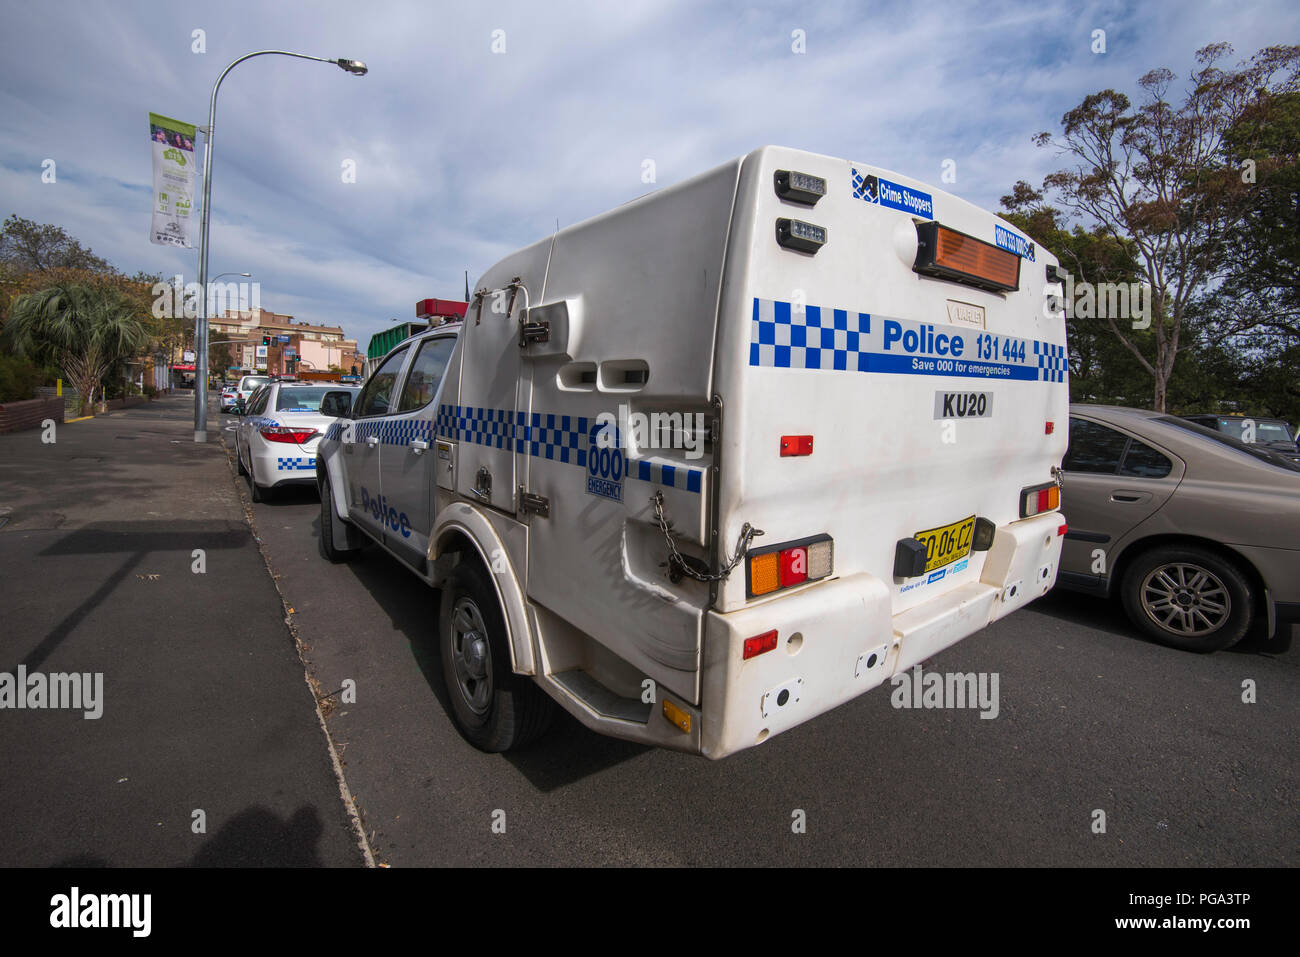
[
  {"x": 1188, "y": 598},
  {"x": 328, "y": 547},
  {"x": 493, "y": 708}
]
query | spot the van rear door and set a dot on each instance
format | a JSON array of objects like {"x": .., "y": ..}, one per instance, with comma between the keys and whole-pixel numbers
[{"x": 932, "y": 398}]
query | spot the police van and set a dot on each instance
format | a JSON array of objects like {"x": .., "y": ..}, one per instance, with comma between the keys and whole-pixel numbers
[{"x": 717, "y": 461}]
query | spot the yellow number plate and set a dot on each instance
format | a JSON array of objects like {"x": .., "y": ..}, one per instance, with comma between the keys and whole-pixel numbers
[{"x": 947, "y": 543}]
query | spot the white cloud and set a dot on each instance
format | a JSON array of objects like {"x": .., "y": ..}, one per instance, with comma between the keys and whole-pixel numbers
[{"x": 463, "y": 155}]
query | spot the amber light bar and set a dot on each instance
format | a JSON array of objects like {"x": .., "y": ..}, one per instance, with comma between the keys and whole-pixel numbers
[{"x": 947, "y": 254}]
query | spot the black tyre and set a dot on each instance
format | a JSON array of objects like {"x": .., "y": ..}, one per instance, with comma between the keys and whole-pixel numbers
[
  {"x": 257, "y": 493},
  {"x": 328, "y": 548},
  {"x": 494, "y": 709},
  {"x": 239, "y": 460},
  {"x": 1188, "y": 598}
]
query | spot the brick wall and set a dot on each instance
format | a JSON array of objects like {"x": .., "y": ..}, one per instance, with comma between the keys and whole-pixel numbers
[{"x": 29, "y": 414}]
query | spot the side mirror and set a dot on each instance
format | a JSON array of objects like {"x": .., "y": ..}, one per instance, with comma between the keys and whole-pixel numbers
[
  {"x": 337, "y": 404},
  {"x": 239, "y": 407}
]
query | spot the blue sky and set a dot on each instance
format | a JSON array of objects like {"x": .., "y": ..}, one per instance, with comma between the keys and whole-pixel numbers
[{"x": 463, "y": 155}]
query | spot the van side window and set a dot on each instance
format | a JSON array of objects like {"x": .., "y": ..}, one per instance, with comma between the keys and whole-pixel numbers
[
  {"x": 376, "y": 397},
  {"x": 426, "y": 373},
  {"x": 1093, "y": 448},
  {"x": 1143, "y": 461}
]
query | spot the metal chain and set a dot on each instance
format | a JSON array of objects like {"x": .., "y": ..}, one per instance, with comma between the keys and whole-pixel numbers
[{"x": 677, "y": 562}]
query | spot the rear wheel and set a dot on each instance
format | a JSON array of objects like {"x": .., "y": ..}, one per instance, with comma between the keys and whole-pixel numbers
[
  {"x": 1188, "y": 598},
  {"x": 257, "y": 493},
  {"x": 493, "y": 708}
]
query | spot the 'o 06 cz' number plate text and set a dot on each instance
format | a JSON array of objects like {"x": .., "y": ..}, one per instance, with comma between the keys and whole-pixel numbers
[{"x": 947, "y": 543}]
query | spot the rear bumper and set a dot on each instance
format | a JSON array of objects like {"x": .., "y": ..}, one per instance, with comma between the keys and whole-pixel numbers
[
  {"x": 286, "y": 465},
  {"x": 840, "y": 638}
]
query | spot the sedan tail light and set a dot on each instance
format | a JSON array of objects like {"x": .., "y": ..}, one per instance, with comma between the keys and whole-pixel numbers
[{"x": 285, "y": 433}]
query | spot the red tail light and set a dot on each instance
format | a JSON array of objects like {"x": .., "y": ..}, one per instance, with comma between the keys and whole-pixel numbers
[
  {"x": 794, "y": 566},
  {"x": 285, "y": 433}
]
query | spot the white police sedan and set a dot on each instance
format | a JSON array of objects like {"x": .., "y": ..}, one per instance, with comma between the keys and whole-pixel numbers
[{"x": 275, "y": 441}]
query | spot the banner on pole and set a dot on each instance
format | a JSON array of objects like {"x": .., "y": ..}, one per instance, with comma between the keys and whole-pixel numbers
[{"x": 173, "y": 180}]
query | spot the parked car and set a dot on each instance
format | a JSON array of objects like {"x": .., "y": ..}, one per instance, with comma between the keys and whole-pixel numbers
[
  {"x": 1196, "y": 532},
  {"x": 248, "y": 383},
  {"x": 229, "y": 397},
  {"x": 1274, "y": 434},
  {"x": 275, "y": 441}
]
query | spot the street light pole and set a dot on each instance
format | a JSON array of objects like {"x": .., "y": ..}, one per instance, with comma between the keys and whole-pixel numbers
[{"x": 355, "y": 67}]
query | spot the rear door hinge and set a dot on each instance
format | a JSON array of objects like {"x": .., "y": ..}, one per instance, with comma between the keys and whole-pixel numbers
[{"x": 536, "y": 504}]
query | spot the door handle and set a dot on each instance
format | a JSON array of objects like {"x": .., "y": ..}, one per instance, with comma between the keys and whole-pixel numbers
[
  {"x": 419, "y": 445},
  {"x": 372, "y": 440},
  {"x": 1129, "y": 497}
]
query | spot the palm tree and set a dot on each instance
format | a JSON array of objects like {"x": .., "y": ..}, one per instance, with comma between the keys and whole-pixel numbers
[{"x": 78, "y": 327}]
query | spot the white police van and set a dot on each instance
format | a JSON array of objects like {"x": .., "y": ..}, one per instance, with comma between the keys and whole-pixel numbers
[{"x": 710, "y": 464}]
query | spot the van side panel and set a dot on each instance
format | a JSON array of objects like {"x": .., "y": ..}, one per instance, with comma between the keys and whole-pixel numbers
[{"x": 631, "y": 297}]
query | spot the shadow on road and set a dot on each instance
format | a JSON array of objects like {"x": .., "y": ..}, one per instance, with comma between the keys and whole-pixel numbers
[
  {"x": 135, "y": 540},
  {"x": 1107, "y": 615},
  {"x": 567, "y": 753},
  {"x": 255, "y": 837}
]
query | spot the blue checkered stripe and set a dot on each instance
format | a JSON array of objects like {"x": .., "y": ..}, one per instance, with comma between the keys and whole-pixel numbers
[
  {"x": 334, "y": 432},
  {"x": 819, "y": 339},
  {"x": 494, "y": 428},
  {"x": 552, "y": 436},
  {"x": 1051, "y": 361},
  {"x": 296, "y": 464},
  {"x": 672, "y": 476},
  {"x": 393, "y": 431},
  {"x": 561, "y": 438}
]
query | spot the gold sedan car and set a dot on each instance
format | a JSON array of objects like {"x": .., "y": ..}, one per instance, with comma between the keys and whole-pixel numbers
[{"x": 1197, "y": 533}]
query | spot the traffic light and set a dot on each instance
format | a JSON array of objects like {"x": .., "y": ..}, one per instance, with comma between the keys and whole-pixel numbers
[{"x": 266, "y": 340}]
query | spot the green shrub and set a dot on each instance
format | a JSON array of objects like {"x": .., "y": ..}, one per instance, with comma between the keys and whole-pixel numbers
[{"x": 18, "y": 378}]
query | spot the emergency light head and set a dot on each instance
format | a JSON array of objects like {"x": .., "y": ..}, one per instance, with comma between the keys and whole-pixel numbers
[
  {"x": 797, "y": 187},
  {"x": 355, "y": 67},
  {"x": 796, "y": 234}
]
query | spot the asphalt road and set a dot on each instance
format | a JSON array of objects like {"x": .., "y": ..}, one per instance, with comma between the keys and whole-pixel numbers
[{"x": 1092, "y": 718}]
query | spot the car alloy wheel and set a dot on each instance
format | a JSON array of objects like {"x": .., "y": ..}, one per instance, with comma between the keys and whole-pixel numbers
[{"x": 1184, "y": 599}]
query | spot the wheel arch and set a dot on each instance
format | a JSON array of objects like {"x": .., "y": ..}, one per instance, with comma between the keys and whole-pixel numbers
[
  {"x": 338, "y": 488},
  {"x": 464, "y": 531},
  {"x": 1135, "y": 550}
]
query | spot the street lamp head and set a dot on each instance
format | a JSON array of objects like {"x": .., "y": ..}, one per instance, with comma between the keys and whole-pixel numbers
[{"x": 353, "y": 66}]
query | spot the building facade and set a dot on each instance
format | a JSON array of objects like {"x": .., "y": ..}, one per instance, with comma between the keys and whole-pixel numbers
[{"x": 258, "y": 340}]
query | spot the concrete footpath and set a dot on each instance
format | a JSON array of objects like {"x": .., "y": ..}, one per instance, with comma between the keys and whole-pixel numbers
[{"x": 207, "y": 750}]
